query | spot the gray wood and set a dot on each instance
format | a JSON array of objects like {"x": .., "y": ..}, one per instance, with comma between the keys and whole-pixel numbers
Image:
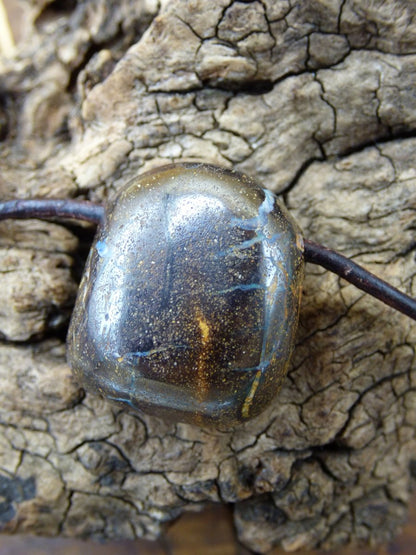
[{"x": 316, "y": 100}]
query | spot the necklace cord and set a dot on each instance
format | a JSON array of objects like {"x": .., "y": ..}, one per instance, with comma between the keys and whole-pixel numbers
[
  {"x": 51, "y": 208},
  {"x": 360, "y": 277},
  {"x": 314, "y": 253}
]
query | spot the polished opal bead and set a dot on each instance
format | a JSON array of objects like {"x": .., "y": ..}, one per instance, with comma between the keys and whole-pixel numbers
[{"x": 189, "y": 303}]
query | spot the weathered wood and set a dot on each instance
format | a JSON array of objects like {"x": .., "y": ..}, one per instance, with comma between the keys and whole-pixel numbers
[{"x": 316, "y": 101}]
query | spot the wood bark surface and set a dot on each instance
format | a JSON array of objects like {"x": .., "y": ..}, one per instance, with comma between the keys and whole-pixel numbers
[{"x": 315, "y": 99}]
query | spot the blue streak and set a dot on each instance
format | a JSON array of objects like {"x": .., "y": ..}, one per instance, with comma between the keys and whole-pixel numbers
[{"x": 102, "y": 248}]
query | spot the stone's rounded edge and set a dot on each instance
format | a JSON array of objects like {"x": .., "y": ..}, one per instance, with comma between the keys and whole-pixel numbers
[
  {"x": 171, "y": 172},
  {"x": 193, "y": 166},
  {"x": 265, "y": 242}
]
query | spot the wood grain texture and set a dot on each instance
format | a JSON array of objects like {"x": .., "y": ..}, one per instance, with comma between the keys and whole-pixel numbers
[
  {"x": 316, "y": 101},
  {"x": 209, "y": 532}
]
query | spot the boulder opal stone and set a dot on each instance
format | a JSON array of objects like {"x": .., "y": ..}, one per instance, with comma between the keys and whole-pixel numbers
[{"x": 189, "y": 303}]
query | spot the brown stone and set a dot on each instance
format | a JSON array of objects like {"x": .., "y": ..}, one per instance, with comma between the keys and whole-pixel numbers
[{"x": 315, "y": 101}]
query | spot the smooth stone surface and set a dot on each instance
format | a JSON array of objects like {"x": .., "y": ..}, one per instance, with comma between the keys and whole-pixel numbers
[{"x": 189, "y": 303}]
